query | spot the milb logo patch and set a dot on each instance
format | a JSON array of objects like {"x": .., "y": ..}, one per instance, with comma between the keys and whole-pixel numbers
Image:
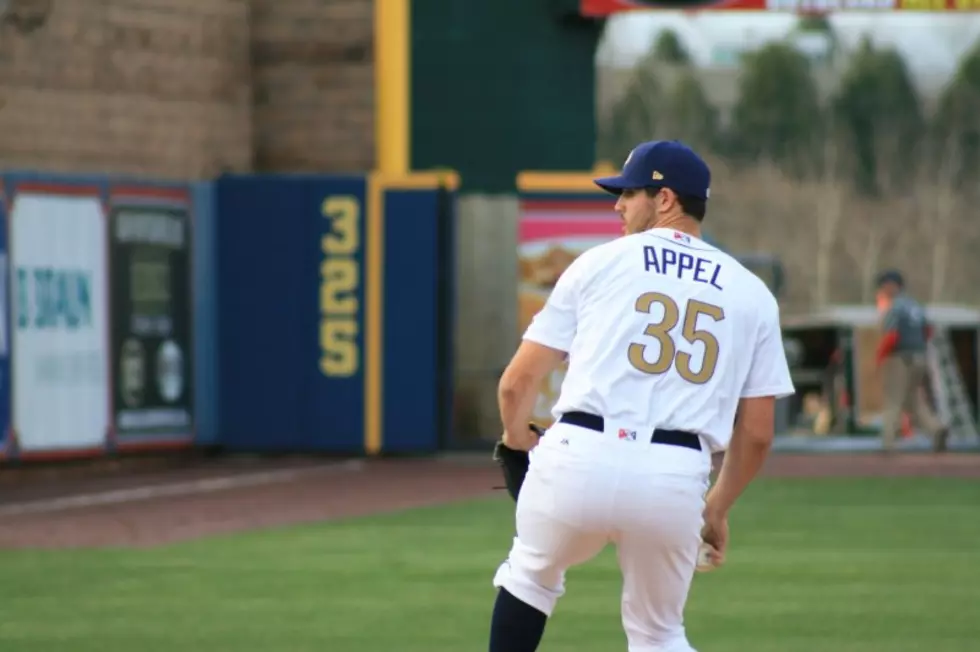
[{"x": 628, "y": 435}]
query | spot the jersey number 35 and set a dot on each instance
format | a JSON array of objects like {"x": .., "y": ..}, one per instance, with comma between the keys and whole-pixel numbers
[{"x": 660, "y": 331}]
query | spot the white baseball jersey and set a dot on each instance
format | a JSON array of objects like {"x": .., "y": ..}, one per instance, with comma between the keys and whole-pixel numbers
[{"x": 663, "y": 329}]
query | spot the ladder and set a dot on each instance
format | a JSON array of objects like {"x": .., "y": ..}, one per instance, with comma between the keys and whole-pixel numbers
[{"x": 954, "y": 406}]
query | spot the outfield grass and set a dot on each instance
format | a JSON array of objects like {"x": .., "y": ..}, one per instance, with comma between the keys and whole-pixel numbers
[{"x": 816, "y": 566}]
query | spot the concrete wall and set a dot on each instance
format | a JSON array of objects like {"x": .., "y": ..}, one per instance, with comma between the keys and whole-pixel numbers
[{"x": 486, "y": 316}]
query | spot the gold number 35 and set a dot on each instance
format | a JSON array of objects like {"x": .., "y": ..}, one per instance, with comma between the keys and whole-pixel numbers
[{"x": 660, "y": 331}]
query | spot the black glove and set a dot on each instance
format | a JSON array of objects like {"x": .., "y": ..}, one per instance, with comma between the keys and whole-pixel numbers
[{"x": 514, "y": 463}]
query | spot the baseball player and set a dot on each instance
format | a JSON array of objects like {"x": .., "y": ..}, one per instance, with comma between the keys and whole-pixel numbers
[
  {"x": 666, "y": 338},
  {"x": 901, "y": 356}
]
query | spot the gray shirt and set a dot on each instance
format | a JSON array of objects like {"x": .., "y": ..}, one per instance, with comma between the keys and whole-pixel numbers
[{"x": 907, "y": 317}]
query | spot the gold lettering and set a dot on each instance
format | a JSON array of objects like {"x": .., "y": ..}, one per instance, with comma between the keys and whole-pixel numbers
[
  {"x": 661, "y": 331},
  {"x": 338, "y": 343},
  {"x": 344, "y": 214},
  {"x": 339, "y": 283},
  {"x": 338, "y": 287}
]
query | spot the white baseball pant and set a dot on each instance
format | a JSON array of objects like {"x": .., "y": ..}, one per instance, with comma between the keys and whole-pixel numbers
[{"x": 585, "y": 489}]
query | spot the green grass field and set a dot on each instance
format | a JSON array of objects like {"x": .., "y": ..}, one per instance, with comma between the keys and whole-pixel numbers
[{"x": 827, "y": 565}]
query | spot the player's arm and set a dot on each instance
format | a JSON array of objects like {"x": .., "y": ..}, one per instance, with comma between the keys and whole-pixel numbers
[
  {"x": 747, "y": 452},
  {"x": 889, "y": 338},
  {"x": 545, "y": 344},
  {"x": 754, "y": 430},
  {"x": 519, "y": 387}
]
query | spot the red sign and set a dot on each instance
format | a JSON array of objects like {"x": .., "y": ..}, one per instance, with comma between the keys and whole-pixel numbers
[{"x": 607, "y": 7}]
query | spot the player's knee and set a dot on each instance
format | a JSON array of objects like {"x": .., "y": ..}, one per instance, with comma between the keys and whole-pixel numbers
[
  {"x": 534, "y": 565},
  {"x": 541, "y": 590},
  {"x": 651, "y": 634}
]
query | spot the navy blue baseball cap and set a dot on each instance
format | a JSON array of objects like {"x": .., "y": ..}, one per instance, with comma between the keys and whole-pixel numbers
[
  {"x": 662, "y": 164},
  {"x": 891, "y": 276}
]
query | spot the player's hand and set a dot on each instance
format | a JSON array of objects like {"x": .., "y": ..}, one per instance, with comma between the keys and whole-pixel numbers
[
  {"x": 526, "y": 441},
  {"x": 715, "y": 534}
]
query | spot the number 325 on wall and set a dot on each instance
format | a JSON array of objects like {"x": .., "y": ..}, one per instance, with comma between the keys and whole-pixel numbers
[{"x": 339, "y": 283}]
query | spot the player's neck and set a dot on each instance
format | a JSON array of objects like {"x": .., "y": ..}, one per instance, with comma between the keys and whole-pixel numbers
[{"x": 681, "y": 223}]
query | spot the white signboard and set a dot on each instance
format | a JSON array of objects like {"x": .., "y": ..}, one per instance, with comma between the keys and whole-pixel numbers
[{"x": 59, "y": 322}]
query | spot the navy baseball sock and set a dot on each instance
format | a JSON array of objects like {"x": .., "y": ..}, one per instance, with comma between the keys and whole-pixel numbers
[{"x": 516, "y": 626}]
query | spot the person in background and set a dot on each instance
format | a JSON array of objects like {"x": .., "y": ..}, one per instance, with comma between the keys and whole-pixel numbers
[{"x": 901, "y": 357}]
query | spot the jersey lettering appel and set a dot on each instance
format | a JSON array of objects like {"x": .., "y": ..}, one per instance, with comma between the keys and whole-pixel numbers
[{"x": 663, "y": 330}]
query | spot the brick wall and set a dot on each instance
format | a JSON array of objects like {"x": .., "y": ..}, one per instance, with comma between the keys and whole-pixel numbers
[
  {"x": 186, "y": 88},
  {"x": 314, "y": 84}
]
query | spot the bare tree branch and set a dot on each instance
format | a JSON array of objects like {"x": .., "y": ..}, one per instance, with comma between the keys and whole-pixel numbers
[
  {"x": 829, "y": 211},
  {"x": 942, "y": 213}
]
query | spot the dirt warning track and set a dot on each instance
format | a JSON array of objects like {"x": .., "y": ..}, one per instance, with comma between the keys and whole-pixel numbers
[{"x": 147, "y": 507}]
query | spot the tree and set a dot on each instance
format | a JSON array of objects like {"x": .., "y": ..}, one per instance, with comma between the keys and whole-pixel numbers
[
  {"x": 941, "y": 229},
  {"x": 777, "y": 115},
  {"x": 815, "y": 23},
  {"x": 879, "y": 110},
  {"x": 635, "y": 117},
  {"x": 687, "y": 113},
  {"x": 669, "y": 49},
  {"x": 949, "y": 189},
  {"x": 945, "y": 221},
  {"x": 956, "y": 124},
  {"x": 819, "y": 26},
  {"x": 829, "y": 211},
  {"x": 868, "y": 235}
]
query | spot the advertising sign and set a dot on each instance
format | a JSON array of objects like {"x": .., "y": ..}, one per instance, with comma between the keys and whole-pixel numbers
[
  {"x": 151, "y": 336},
  {"x": 60, "y": 331},
  {"x": 5, "y": 380}
]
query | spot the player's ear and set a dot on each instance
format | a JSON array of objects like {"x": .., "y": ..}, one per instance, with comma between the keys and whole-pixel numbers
[{"x": 667, "y": 199}]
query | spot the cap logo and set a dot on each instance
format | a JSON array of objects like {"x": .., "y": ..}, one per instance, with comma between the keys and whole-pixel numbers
[
  {"x": 627, "y": 161},
  {"x": 657, "y": 176}
]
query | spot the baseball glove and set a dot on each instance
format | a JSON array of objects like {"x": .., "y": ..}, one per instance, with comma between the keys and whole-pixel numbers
[{"x": 514, "y": 463}]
